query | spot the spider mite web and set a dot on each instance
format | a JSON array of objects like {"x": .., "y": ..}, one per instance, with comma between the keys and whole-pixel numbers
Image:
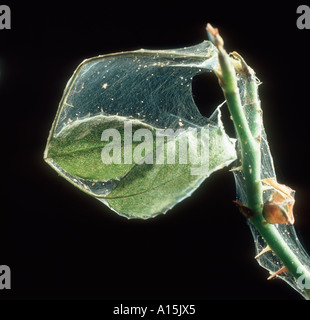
[
  {"x": 152, "y": 89},
  {"x": 268, "y": 260}
]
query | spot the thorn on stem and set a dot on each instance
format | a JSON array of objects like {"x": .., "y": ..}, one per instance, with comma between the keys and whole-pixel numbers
[
  {"x": 244, "y": 210},
  {"x": 283, "y": 269},
  {"x": 267, "y": 249}
]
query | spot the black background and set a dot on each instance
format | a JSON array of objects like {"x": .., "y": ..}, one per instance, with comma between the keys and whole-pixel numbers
[{"x": 61, "y": 243}]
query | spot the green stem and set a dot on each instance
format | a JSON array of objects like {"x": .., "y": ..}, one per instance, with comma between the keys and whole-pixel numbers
[
  {"x": 248, "y": 127},
  {"x": 250, "y": 146}
]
